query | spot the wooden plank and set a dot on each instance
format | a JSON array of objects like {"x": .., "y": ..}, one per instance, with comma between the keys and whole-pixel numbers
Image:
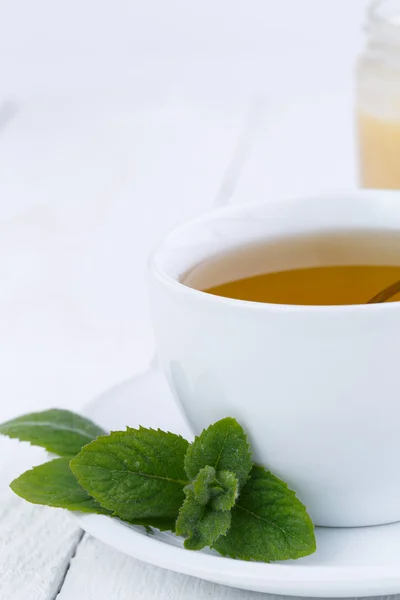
[
  {"x": 36, "y": 547},
  {"x": 98, "y": 572},
  {"x": 36, "y": 543}
]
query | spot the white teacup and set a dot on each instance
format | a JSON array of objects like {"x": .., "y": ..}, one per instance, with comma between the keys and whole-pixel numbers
[{"x": 316, "y": 388}]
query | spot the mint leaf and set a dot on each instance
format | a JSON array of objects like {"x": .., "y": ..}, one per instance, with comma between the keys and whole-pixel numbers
[
  {"x": 222, "y": 446},
  {"x": 268, "y": 522},
  {"x": 206, "y": 486},
  {"x": 219, "y": 488},
  {"x": 59, "y": 431},
  {"x": 218, "y": 461},
  {"x": 200, "y": 524},
  {"x": 54, "y": 484},
  {"x": 138, "y": 474},
  {"x": 205, "y": 513},
  {"x": 230, "y": 485}
]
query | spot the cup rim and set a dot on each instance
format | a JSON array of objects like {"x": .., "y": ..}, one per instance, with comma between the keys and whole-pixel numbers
[{"x": 176, "y": 286}]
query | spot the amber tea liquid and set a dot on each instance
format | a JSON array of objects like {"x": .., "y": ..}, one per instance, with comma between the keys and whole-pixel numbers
[{"x": 330, "y": 269}]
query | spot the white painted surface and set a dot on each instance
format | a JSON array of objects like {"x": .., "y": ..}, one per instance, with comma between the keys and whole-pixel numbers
[
  {"x": 36, "y": 543},
  {"x": 127, "y": 115}
]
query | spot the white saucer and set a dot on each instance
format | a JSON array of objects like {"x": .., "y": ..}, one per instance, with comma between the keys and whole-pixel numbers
[{"x": 348, "y": 562}]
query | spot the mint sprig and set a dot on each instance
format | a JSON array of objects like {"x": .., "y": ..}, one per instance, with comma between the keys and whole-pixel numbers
[
  {"x": 208, "y": 491},
  {"x": 219, "y": 462}
]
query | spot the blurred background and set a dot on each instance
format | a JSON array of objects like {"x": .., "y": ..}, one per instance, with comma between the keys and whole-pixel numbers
[{"x": 118, "y": 120}]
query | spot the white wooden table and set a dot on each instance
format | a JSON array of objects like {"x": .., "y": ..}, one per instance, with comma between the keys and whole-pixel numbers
[{"x": 85, "y": 188}]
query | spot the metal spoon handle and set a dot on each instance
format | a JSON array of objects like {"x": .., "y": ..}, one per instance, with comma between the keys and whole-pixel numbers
[
  {"x": 386, "y": 294},
  {"x": 241, "y": 152}
]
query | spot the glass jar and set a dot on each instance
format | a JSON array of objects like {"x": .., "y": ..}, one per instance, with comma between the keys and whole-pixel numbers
[{"x": 378, "y": 98}]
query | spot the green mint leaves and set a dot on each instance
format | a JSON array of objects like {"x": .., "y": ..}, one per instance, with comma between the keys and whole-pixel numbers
[
  {"x": 223, "y": 446},
  {"x": 206, "y": 511},
  {"x": 137, "y": 473},
  {"x": 218, "y": 462},
  {"x": 54, "y": 484},
  {"x": 219, "y": 488},
  {"x": 268, "y": 522},
  {"x": 208, "y": 491},
  {"x": 200, "y": 524},
  {"x": 58, "y": 431}
]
